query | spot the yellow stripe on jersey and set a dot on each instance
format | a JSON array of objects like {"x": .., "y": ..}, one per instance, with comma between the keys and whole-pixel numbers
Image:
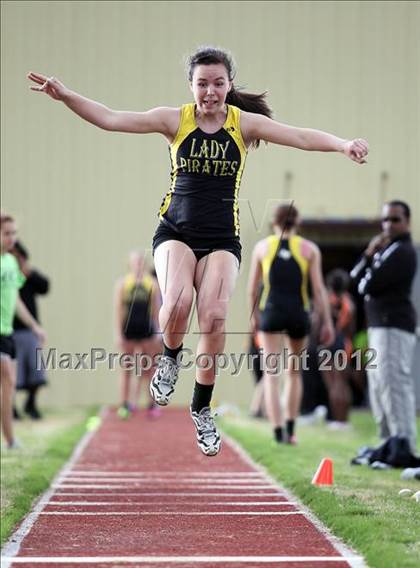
[
  {"x": 130, "y": 282},
  {"x": 303, "y": 263},
  {"x": 295, "y": 243},
  {"x": 272, "y": 245},
  {"x": 233, "y": 126},
  {"x": 186, "y": 126}
]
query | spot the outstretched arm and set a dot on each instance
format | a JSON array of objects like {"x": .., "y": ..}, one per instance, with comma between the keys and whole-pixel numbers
[
  {"x": 161, "y": 120},
  {"x": 259, "y": 127}
]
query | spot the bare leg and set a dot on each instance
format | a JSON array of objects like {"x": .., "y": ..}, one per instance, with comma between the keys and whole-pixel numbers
[
  {"x": 8, "y": 381},
  {"x": 272, "y": 343},
  {"x": 150, "y": 348},
  {"x": 175, "y": 265},
  {"x": 125, "y": 374},
  {"x": 125, "y": 379},
  {"x": 294, "y": 387},
  {"x": 215, "y": 280},
  {"x": 257, "y": 407},
  {"x": 339, "y": 393}
]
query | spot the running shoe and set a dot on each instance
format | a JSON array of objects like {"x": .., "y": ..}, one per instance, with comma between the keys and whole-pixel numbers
[
  {"x": 14, "y": 445},
  {"x": 124, "y": 411},
  {"x": 208, "y": 438},
  {"x": 154, "y": 411},
  {"x": 411, "y": 473},
  {"x": 291, "y": 440},
  {"x": 162, "y": 385}
]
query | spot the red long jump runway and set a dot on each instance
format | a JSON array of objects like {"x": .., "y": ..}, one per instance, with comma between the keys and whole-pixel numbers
[{"x": 140, "y": 493}]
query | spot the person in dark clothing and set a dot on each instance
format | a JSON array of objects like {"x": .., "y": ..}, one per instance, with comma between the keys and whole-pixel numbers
[
  {"x": 29, "y": 378},
  {"x": 384, "y": 276},
  {"x": 337, "y": 378}
]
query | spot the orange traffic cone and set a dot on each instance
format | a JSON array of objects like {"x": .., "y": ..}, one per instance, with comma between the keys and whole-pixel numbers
[{"x": 324, "y": 473}]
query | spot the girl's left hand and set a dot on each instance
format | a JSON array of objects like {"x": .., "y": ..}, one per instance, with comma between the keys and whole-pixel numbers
[{"x": 357, "y": 150}]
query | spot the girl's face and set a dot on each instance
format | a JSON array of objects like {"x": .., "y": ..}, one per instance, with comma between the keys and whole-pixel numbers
[
  {"x": 210, "y": 86},
  {"x": 8, "y": 236}
]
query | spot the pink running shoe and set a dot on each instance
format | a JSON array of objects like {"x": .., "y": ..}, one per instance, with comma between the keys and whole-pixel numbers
[{"x": 154, "y": 412}]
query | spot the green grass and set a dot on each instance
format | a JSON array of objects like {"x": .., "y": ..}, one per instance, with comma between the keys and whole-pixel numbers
[
  {"x": 27, "y": 472},
  {"x": 363, "y": 507}
]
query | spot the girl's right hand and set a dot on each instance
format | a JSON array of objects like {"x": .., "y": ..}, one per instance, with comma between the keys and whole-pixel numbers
[
  {"x": 40, "y": 333},
  {"x": 255, "y": 321},
  {"x": 376, "y": 244},
  {"x": 49, "y": 85}
]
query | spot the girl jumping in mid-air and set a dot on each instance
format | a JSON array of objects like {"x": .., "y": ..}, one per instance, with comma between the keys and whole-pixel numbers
[{"x": 196, "y": 245}]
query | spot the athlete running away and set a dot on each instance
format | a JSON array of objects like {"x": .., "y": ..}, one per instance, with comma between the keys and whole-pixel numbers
[
  {"x": 197, "y": 244},
  {"x": 282, "y": 264}
]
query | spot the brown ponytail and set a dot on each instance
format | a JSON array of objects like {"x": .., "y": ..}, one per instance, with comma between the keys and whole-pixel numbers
[
  {"x": 286, "y": 216},
  {"x": 248, "y": 102}
]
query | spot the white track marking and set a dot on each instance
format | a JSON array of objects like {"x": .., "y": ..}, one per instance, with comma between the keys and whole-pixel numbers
[
  {"x": 164, "y": 474},
  {"x": 162, "y": 480},
  {"x": 168, "y": 513},
  {"x": 12, "y": 546},
  {"x": 11, "y": 549},
  {"x": 168, "y": 503},
  {"x": 130, "y": 485},
  {"x": 342, "y": 548},
  {"x": 171, "y": 494},
  {"x": 354, "y": 561}
]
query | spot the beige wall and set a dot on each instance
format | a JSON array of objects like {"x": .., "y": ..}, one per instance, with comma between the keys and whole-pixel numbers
[{"x": 84, "y": 197}]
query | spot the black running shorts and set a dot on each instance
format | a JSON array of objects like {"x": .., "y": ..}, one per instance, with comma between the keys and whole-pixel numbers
[
  {"x": 201, "y": 246},
  {"x": 7, "y": 346},
  {"x": 295, "y": 323}
]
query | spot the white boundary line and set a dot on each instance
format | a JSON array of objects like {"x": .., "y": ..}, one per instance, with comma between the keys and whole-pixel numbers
[
  {"x": 12, "y": 546},
  {"x": 171, "y": 494},
  {"x": 354, "y": 560},
  {"x": 151, "y": 474},
  {"x": 168, "y": 503},
  {"x": 170, "y": 513},
  {"x": 152, "y": 485},
  {"x": 163, "y": 481}
]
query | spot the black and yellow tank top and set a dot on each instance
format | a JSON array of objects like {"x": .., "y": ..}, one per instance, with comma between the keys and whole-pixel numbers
[
  {"x": 205, "y": 177},
  {"x": 137, "y": 300},
  {"x": 285, "y": 274}
]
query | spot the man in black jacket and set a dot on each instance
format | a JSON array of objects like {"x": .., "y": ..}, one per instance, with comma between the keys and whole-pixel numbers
[{"x": 385, "y": 274}]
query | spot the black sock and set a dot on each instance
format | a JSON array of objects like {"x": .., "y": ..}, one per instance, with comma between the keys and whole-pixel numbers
[
  {"x": 278, "y": 434},
  {"x": 168, "y": 352},
  {"x": 30, "y": 402},
  {"x": 290, "y": 427},
  {"x": 201, "y": 396}
]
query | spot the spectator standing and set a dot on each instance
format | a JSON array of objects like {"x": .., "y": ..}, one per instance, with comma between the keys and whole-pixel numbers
[
  {"x": 29, "y": 377},
  {"x": 384, "y": 275},
  {"x": 10, "y": 303}
]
